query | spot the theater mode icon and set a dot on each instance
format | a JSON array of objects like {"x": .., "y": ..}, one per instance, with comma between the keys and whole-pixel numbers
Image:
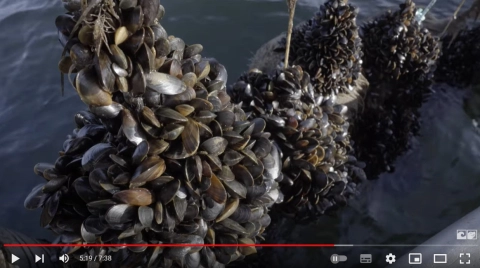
[
  {"x": 439, "y": 258},
  {"x": 466, "y": 234}
]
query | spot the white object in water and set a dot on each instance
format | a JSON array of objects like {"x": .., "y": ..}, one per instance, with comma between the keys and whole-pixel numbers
[{"x": 420, "y": 14}]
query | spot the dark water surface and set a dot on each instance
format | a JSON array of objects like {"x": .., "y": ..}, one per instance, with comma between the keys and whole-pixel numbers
[{"x": 434, "y": 185}]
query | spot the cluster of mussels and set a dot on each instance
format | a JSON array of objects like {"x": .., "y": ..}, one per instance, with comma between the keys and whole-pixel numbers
[
  {"x": 328, "y": 47},
  {"x": 319, "y": 171},
  {"x": 460, "y": 59},
  {"x": 162, "y": 156},
  {"x": 399, "y": 61},
  {"x": 398, "y": 48}
]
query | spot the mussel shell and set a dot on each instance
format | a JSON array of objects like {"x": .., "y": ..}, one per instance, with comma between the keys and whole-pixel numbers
[
  {"x": 165, "y": 84},
  {"x": 127, "y": 4},
  {"x": 119, "y": 72},
  {"x": 94, "y": 225},
  {"x": 192, "y": 50},
  {"x": 121, "y": 35},
  {"x": 85, "y": 118},
  {"x": 93, "y": 131},
  {"x": 81, "y": 55},
  {"x": 85, "y": 35},
  {"x": 150, "y": 169},
  {"x": 89, "y": 90},
  {"x": 119, "y": 214},
  {"x": 138, "y": 82},
  {"x": 50, "y": 209},
  {"x": 36, "y": 198},
  {"x": 150, "y": 10},
  {"x": 133, "y": 43},
  {"x": 162, "y": 46},
  {"x": 161, "y": 12},
  {"x": 145, "y": 216},
  {"x": 230, "y": 208},
  {"x": 55, "y": 184},
  {"x": 41, "y": 167},
  {"x": 159, "y": 32},
  {"x": 140, "y": 153},
  {"x": 108, "y": 111},
  {"x": 149, "y": 38},
  {"x": 72, "y": 5},
  {"x": 172, "y": 67},
  {"x": 78, "y": 145},
  {"x": 65, "y": 65},
  {"x": 131, "y": 129},
  {"x": 217, "y": 71},
  {"x": 202, "y": 69},
  {"x": 169, "y": 191},
  {"x": 134, "y": 18},
  {"x": 134, "y": 197},
  {"x": 119, "y": 56},
  {"x": 62, "y": 162},
  {"x": 96, "y": 154},
  {"x": 146, "y": 58}
]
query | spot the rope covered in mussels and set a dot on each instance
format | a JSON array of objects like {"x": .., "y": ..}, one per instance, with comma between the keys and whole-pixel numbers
[
  {"x": 459, "y": 62},
  {"x": 398, "y": 48},
  {"x": 328, "y": 47},
  {"x": 162, "y": 156},
  {"x": 318, "y": 171},
  {"x": 399, "y": 61}
]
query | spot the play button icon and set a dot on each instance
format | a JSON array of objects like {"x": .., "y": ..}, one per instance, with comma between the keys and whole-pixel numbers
[{"x": 15, "y": 258}]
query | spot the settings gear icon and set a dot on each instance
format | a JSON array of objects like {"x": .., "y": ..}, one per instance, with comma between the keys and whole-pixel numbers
[{"x": 390, "y": 258}]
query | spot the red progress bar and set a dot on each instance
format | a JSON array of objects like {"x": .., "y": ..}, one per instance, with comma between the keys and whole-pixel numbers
[{"x": 173, "y": 245}]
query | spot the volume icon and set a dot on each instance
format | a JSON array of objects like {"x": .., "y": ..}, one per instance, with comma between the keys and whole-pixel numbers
[{"x": 64, "y": 258}]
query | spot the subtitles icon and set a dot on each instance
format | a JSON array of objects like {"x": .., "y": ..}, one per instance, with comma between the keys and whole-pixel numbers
[
  {"x": 466, "y": 234},
  {"x": 415, "y": 258},
  {"x": 365, "y": 258}
]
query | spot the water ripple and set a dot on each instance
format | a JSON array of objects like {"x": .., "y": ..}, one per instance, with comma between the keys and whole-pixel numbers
[{"x": 9, "y": 8}]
